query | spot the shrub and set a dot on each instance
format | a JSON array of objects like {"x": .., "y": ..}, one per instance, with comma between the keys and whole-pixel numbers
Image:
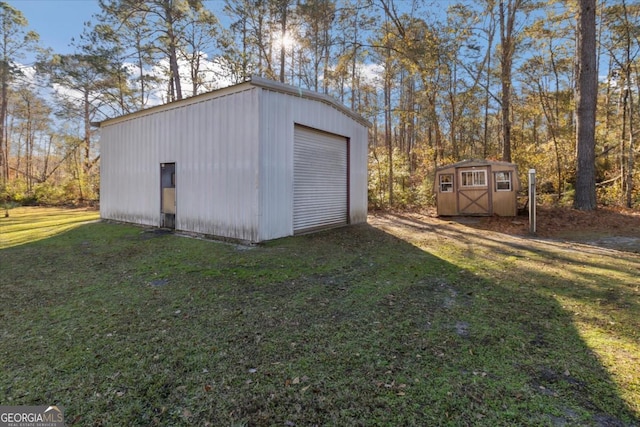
[{"x": 47, "y": 194}]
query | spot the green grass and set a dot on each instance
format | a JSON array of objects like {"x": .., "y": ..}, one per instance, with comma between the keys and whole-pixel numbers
[
  {"x": 25, "y": 225},
  {"x": 357, "y": 326}
]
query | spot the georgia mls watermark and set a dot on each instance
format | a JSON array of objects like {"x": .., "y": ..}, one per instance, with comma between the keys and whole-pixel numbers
[{"x": 31, "y": 416}]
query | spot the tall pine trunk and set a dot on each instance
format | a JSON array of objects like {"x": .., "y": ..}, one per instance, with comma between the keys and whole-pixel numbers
[
  {"x": 631, "y": 155},
  {"x": 586, "y": 97},
  {"x": 387, "y": 126},
  {"x": 174, "y": 70},
  {"x": 4, "y": 144},
  {"x": 506, "y": 57}
]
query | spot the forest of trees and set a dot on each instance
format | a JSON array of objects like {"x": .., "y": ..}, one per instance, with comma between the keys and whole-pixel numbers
[{"x": 440, "y": 81}]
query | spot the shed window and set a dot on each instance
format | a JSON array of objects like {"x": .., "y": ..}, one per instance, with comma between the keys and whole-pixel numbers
[
  {"x": 503, "y": 181},
  {"x": 446, "y": 183},
  {"x": 473, "y": 178}
]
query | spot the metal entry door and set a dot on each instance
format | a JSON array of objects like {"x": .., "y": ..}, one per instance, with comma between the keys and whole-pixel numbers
[{"x": 168, "y": 195}]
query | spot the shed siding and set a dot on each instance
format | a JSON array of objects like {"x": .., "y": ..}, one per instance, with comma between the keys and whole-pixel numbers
[
  {"x": 505, "y": 203},
  {"x": 460, "y": 201},
  {"x": 216, "y": 181},
  {"x": 446, "y": 202}
]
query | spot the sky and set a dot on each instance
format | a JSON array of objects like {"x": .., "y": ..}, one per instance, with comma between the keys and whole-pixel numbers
[{"x": 57, "y": 21}]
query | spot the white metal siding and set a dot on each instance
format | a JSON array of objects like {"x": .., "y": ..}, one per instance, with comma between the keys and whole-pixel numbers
[
  {"x": 319, "y": 180},
  {"x": 233, "y": 151},
  {"x": 358, "y": 176},
  {"x": 214, "y": 144},
  {"x": 278, "y": 114}
]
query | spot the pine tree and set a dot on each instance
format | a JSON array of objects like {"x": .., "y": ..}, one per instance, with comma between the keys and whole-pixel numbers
[{"x": 586, "y": 98}]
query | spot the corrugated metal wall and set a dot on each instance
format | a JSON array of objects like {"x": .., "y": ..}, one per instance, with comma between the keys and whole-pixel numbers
[
  {"x": 233, "y": 151},
  {"x": 279, "y": 114},
  {"x": 214, "y": 144}
]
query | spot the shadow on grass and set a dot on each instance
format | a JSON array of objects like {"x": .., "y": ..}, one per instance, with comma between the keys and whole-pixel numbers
[
  {"x": 597, "y": 276},
  {"x": 35, "y": 223},
  {"x": 609, "y": 228},
  {"x": 353, "y": 326}
]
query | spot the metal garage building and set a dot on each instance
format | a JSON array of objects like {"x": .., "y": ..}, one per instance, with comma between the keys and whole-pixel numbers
[{"x": 253, "y": 162}]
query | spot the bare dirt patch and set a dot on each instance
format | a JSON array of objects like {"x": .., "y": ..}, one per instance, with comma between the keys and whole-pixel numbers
[{"x": 611, "y": 228}]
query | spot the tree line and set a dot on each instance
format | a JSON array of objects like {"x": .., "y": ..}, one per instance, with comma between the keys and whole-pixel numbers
[{"x": 440, "y": 81}]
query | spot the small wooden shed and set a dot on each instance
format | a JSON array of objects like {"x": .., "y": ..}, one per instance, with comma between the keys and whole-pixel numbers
[
  {"x": 255, "y": 161},
  {"x": 477, "y": 187}
]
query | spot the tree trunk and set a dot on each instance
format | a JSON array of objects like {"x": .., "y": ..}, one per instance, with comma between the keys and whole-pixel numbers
[
  {"x": 506, "y": 56},
  {"x": 4, "y": 145},
  {"x": 140, "y": 64},
  {"x": 325, "y": 68},
  {"x": 487, "y": 100},
  {"x": 453, "y": 95},
  {"x": 354, "y": 60},
  {"x": 631, "y": 147},
  {"x": 387, "y": 129},
  {"x": 174, "y": 71},
  {"x": 87, "y": 134},
  {"x": 629, "y": 60},
  {"x": 283, "y": 35},
  {"x": 29, "y": 142},
  {"x": 432, "y": 114},
  {"x": 586, "y": 97},
  {"x": 623, "y": 133}
]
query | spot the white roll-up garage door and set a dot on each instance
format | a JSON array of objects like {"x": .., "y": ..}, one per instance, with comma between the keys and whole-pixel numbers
[{"x": 320, "y": 184}]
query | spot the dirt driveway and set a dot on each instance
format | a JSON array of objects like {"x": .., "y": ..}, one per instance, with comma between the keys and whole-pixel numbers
[{"x": 606, "y": 228}]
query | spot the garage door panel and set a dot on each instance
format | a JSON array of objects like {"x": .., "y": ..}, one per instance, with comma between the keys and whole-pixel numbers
[{"x": 320, "y": 180}]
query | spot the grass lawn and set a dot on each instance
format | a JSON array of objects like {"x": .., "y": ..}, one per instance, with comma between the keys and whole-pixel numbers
[{"x": 392, "y": 324}]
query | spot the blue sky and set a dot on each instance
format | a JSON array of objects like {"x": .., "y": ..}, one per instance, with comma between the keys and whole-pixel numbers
[{"x": 57, "y": 21}]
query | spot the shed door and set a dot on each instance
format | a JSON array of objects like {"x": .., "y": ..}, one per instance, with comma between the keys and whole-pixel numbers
[
  {"x": 320, "y": 183},
  {"x": 474, "y": 195}
]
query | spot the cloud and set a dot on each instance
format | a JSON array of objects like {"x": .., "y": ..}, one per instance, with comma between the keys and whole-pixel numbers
[
  {"x": 371, "y": 73},
  {"x": 27, "y": 75}
]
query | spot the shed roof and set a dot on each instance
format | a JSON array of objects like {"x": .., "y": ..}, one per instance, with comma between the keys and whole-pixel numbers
[
  {"x": 254, "y": 81},
  {"x": 476, "y": 162}
]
